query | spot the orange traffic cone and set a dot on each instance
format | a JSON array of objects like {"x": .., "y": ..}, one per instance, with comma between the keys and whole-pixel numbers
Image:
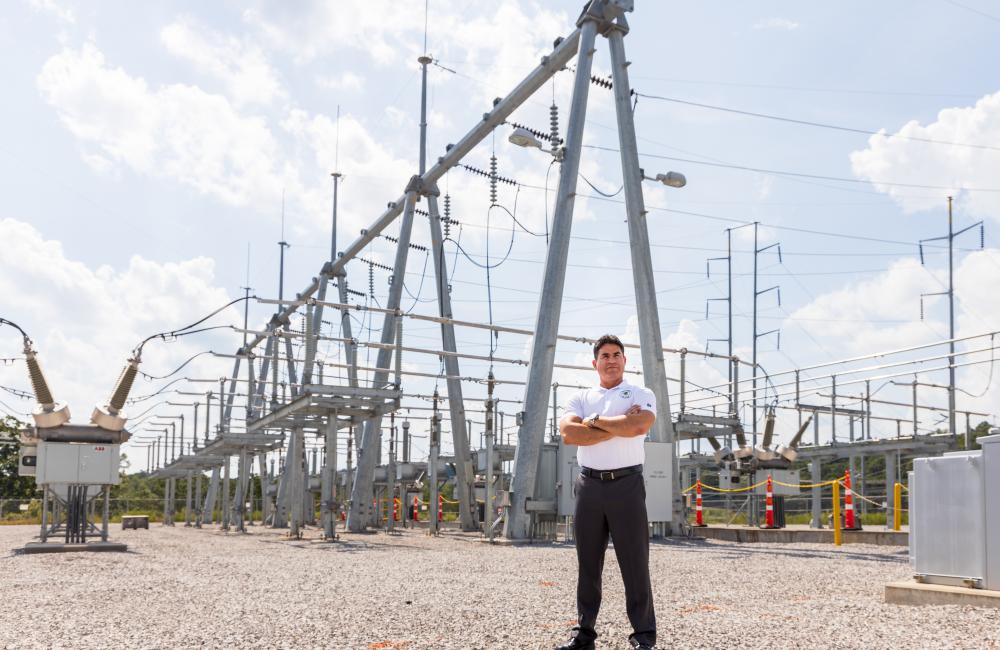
[
  {"x": 850, "y": 522},
  {"x": 769, "y": 505},
  {"x": 698, "y": 520},
  {"x": 440, "y": 508},
  {"x": 416, "y": 509},
  {"x": 395, "y": 509}
]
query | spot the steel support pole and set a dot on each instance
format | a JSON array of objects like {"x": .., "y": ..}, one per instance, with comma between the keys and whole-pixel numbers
[
  {"x": 654, "y": 371},
  {"x": 166, "y": 500},
  {"x": 225, "y": 494},
  {"x": 952, "y": 426},
  {"x": 333, "y": 227},
  {"x": 258, "y": 394},
  {"x": 488, "y": 507},
  {"x": 173, "y": 500},
  {"x": 199, "y": 508},
  {"x": 293, "y": 480},
  {"x": 290, "y": 362},
  {"x": 753, "y": 385},
  {"x": 531, "y": 433},
  {"x": 390, "y": 478},
  {"x": 265, "y": 486},
  {"x": 360, "y": 513},
  {"x": 231, "y": 398},
  {"x": 350, "y": 348},
  {"x": 456, "y": 405},
  {"x": 890, "y": 485},
  {"x": 106, "y": 519},
  {"x": 208, "y": 415},
  {"x": 816, "y": 475},
  {"x": 240, "y": 498},
  {"x": 433, "y": 527},
  {"x": 187, "y": 500},
  {"x": 328, "y": 499}
]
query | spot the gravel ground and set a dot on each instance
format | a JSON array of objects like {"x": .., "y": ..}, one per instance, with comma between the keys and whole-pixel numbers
[{"x": 184, "y": 588}]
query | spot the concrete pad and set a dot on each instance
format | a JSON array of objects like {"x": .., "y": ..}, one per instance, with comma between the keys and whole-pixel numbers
[
  {"x": 916, "y": 593},
  {"x": 803, "y": 535},
  {"x": 57, "y": 547}
]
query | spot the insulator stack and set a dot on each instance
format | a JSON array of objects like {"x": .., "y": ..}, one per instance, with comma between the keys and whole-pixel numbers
[
  {"x": 493, "y": 180},
  {"x": 554, "y": 125},
  {"x": 42, "y": 393},
  {"x": 371, "y": 281},
  {"x": 447, "y": 216},
  {"x": 124, "y": 385}
]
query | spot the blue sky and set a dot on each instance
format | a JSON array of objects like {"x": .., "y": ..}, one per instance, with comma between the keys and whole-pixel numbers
[{"x": 145, "y": 147}]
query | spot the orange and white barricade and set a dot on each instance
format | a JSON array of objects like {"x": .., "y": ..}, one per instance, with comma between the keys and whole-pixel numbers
[{"x": 698, "y": 517}]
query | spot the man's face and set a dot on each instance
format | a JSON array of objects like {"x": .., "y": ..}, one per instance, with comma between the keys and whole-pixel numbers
[{"x": 610, "y": 363}]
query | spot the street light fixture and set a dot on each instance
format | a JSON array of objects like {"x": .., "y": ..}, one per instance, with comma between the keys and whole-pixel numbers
[
  {"x": 524, "y": 138},
  {"x": 670, "y": 179}
]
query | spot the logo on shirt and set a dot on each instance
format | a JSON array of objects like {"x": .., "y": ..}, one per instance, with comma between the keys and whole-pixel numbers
[{"x": 625, "y": 394}]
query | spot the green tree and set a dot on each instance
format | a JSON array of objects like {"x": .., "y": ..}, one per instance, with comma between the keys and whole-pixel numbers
[{"x": 12, "y": 486}]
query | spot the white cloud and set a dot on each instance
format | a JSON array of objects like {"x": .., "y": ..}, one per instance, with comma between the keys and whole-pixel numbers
[
  {"x": 175, "y": 131},
  {"x": 52, "y": 7},
  {"x": 396, "y": 116},
  {"x": 896, "y": 160},
  {"x": 776, "y": 23},
  {"x": 241, "y": 65},
  {"x": 852, "y": 318},
  {"x": 863, "y": 318},
  {"x": 181, "y": 133},
  {"x": 346, "y": 80},
  {"x": 372, "y": 26},
  {"x": 499, "y": 43},
  {"x": 765, "y": 184},
  {"x": 85, "y": 321}
]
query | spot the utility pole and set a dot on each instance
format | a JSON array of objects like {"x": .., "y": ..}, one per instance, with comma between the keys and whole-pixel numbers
[
  {"x": 433, "y": 527},
  {"x": 756, "y": 294},
  {"x": 729, "y": 307},
  {"x": 336, "y": 182},
  {"x": 488, "y": 506},
  {"x": 282, "y": 245},
  {"x": 391, "y": 475},
  {"x": 465, "y": 474},
  {"x": 952, "y": 425}
]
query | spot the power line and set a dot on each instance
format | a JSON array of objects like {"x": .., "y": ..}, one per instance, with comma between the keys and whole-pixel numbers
[
  {"x": 973, "y": 10},
  {"x": 810, "y": 89},
  {"x": 778, "y": 172},
  {"x": 822, "y": 125}
]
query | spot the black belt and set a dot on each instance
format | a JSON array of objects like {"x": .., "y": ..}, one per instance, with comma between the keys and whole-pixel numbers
[{"x": 610, "y": 474}]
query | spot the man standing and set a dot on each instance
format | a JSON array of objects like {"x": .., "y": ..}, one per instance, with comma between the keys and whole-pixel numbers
[{"x": 609, "y": 423}]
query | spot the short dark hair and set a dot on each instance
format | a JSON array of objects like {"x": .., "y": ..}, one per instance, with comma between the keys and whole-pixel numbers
[{"x": 606, "y": 339}]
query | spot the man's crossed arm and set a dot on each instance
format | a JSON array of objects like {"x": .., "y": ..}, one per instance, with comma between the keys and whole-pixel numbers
[{"x": 576, "y": 431}]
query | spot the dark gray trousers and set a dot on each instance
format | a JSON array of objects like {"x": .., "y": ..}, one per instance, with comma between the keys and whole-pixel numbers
[{"x": 617, "y": 509}]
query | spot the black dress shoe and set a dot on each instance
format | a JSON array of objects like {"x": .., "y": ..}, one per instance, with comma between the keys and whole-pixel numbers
[{"x": 576, "y": 644}]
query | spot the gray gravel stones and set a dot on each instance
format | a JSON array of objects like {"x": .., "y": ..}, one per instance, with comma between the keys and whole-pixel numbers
[{"x": 184, "y": 588}]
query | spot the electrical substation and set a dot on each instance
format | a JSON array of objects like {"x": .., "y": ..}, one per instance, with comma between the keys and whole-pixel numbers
[{"x": 335, "y": 423}]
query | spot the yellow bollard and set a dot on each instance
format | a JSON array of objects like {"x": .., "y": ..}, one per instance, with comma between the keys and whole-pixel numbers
[
  {"x": 897, "y": 506},
  {"x": 836, "y": 513}
]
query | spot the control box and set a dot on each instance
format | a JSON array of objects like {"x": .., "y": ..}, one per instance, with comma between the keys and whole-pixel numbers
[
  {"x": 658, "y": 475},
  {"x": 79, "y": 463},
  {"x": 27, "y": 460}
]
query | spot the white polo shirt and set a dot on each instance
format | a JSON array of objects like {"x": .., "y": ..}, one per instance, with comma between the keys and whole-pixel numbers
[{"x": 616, "y": 452}]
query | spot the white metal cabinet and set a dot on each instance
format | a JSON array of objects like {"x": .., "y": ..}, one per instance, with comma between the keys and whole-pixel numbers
[{"x": 954, "y": 508}]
